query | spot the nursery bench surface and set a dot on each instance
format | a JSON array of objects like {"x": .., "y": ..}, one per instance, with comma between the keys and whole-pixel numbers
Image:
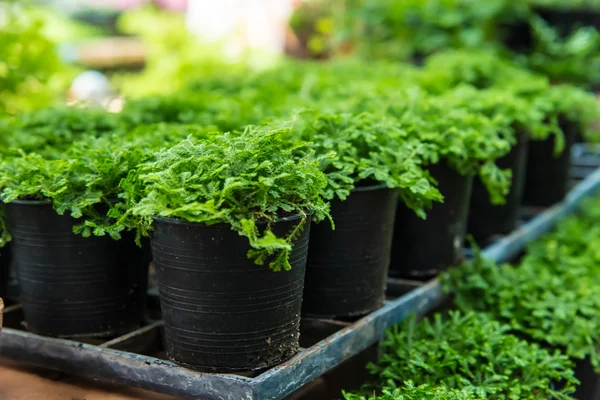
[{"x": 138, "y": 360}]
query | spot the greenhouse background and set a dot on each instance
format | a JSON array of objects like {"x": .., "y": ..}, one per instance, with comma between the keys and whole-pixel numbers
[{"x": 300, "y": 199}]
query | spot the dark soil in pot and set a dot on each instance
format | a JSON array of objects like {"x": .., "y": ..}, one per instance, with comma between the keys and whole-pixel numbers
[
  {"x": 547, "y": 176},
  {"x": 487, "y": 219},
  {"x": 347, "y": 267},
  {"x": 72, "y": 286},
  {"x": 222, "y": 312},
  {"x": 423, "y": 248}
]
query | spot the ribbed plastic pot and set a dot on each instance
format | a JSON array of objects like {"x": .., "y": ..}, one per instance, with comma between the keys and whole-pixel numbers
[
  {"x": 487, "y": 219},
  {"x": 547, "y": 176},
  {"x": 223, "y": 313},
  {"x": 347, "y": 267},
  {"x": 589, "y": 388},
  {"x": 4, "y": 269},
  {"x": 423, "y": 248},
  {"x": 71, "y": 286}
]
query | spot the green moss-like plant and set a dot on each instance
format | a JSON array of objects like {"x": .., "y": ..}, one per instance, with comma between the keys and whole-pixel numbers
[
  {"x": 468, "y": 141},
  {"x": 241, "y": 179},
  {"x": 474, "y": 354},
  {"x": 525, "y": 100},
  {"x": 50, "y": 131},
  {"x": 83, "y": 182},
  {"x": 368, "y": 149},
  {"x": 411, "y": 392},
  {"x": 551, "y": 296}
]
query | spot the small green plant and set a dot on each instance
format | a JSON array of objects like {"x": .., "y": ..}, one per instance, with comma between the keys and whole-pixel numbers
[
  {"x": 369, "y": 149},
  {"x": 468, "y": 141},
  {"x": 411, "y": 392},
  {"x": 242, "y": 179},
  {"x": 551, "y": 297},
  {"x": 84, "y": 182},
  {"x": 50, "y": 131},
  {"x": 473, "y": 354},
  {"x": 525, "y": 100}
]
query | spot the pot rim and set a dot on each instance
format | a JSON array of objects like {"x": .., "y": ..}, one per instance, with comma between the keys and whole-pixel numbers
[
  {"x": 379, "y": 186},
  {"x": 181, "y": 221},
  {"x": 29, "y": 202}
]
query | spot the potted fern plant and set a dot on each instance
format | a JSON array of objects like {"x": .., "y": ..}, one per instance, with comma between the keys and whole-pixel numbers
[
  {"x": 551, "y": 117},
  {"x": 573, "y": 111},
  {"x": 375, "y": 162},
  {"x": 214, "y": 208},
  {"x": 75, "y": 277},
  {"x": 467, "y": 356},
  {"x": 461, "y": 143}
]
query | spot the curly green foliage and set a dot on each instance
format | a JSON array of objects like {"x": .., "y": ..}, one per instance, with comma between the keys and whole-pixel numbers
[
  {"x": 473, "y": 353},
  {"x": 368, "y": 149},
  {"x": 506, "y": 107},
  {"x": 50, "y": 131},
  {"x": 580, "y": 108},
  {"x": 245, "y": 180},
  {"x": 411, "y": 392},
  {"x": 551, "y": 297},
  {"x": 468, "y": 141},
  {"x": 507, "y": 91},
  {"x": 84, "y": 183},
  {"x": 481, "y": 69},
  {"x": 224, "y": 111}
]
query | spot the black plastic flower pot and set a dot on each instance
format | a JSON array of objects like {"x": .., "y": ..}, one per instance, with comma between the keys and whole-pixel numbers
[
  {"x": 487, "y": 219},
  {"x": 547, "y": 176},
  {"x": 589, "y": 387},
  {"x": 347, "y": 267},
  {"x": 71, "y": 286},
  {"x": 517, "y": 36},
  {"x": 223, "y": 313},
  {"x": 423, "y": 248}
]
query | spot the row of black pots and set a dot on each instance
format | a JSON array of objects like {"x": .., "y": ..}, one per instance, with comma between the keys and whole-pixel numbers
[
  {"x": 222, "y": 312},
  {"x": 421, "y": 249},
  {"x": 71, "y": 286}
]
